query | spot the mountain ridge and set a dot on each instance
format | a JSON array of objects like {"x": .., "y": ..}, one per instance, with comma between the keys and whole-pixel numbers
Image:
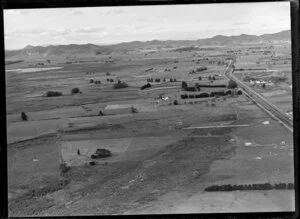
[{"x": 95, "y": 49}]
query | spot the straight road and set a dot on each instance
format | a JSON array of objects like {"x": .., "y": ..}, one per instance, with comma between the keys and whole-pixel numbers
[{"x": 262, "y": 102}]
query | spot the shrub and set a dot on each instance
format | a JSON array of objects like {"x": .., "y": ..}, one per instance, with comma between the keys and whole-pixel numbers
[
  {"x": 199, "y": 78},
  {"x": 101, "y": 113},
  {"x": 24, "y": 116},
  {"x": 91, "y": 81},
  {"x": 239, "y": 92},
  {"x": 107, "y": 73},
  {"x": 175, "y": 80},
  {"x": 111, "y": 80},
  {"x": 75, "y": 90},
  {"x": 120, "y": 85},
  {"x": 157, "y": 80},
  {"x": 107, "y": 80},
  {"x": 53, "y": 94},
  {"x": 171, "y": 79},
  {"x": 145, "y": 86},
  {"x": 232, "y": 84},
  {"x": 175, "y": 102}
]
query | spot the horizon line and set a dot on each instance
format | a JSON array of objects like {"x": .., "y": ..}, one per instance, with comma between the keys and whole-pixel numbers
[{"x": 111, "y": 44}]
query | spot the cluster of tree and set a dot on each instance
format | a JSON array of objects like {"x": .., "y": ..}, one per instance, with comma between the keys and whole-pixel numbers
[
  {"x": 265, "y": 186},
  {"x": 145, "y": 86},
  {"x": 176, "y": 61},
  {"x": 107, "y": 73},
  {"x": 75, "y": 90},
  {"x": 90, "y": 72},
  {"x": 97, "y": 82},
  {"x": 192, "y": 96},
  {"x": 53, "y": 94},
  {"x": 100, "y": 153},
  {"x": 120, "y": 85},
  {"x": 39, "y": 63},
  {"x": 203, "y": 68},
  {"x": 110, "y": 80},
  {"x": 185, "y": 87},
  {"x": 167, "y": 69},
  {"x": 158, "y": 80},
  {"x": 174, "y": 67},
  {"x": 212, "y": 94},
  {"x": 211, "y": 78}
]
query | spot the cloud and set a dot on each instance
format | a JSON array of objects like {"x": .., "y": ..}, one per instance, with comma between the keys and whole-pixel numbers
[
  {"x": 38, "y": 32},
  {"x": 90, "y": 30}
]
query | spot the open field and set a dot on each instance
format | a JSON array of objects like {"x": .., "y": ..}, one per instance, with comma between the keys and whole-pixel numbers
[{"x": 157, "y": 164}]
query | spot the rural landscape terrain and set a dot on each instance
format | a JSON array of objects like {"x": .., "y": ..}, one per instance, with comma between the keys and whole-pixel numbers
[{"x": 186, "y": 126}]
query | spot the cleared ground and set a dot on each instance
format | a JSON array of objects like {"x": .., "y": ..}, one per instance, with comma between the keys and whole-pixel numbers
[{"x": 156, "y": 166}]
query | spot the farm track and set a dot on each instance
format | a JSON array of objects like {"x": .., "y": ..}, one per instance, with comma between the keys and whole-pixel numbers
[{"x": 263, "y": 103}]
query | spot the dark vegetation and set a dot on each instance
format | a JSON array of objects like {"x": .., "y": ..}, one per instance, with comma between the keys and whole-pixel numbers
[
  {"x": 100, "y": 153},
  {"x": 120, "y": 85},
  {"x": 97, "y": 82},
  {"x": 212, "y": 94},
  {"x": 24, "y": 116},
  {"x": 157, "y": 80},
  {"x": 145, "y": 86},
  {"x": 53, "y": 94},
  {"x": 75, "y": 90},
  {"x": 232, "y": 84},
  {"x": 265, "y": 186}
]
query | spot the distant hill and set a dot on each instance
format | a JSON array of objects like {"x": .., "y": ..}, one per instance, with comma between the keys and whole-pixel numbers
[{"x": 64, "y": 51}]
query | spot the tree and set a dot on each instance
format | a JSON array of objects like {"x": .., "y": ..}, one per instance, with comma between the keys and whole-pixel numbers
[
  {"x": 24, "y": 116},
  {"x": 175, "y": 102},
  {"x": 120, "y": 85},
  {"x": 184, "y": 85},
  {"x": 171, "y": 79},
  {"x": 75, "y": 90},
  {"x": 209, "y": 77},
  {"x": 200, "y": 78},
  {"x": 232, "y": 84},
  {"x": 213, "y": 78}
]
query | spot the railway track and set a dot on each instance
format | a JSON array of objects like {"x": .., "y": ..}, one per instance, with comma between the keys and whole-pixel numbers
[{"x": 262, "y": 102}]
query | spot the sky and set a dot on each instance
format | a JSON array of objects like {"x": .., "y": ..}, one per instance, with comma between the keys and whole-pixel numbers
[{"x": 111, "y": 25}]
